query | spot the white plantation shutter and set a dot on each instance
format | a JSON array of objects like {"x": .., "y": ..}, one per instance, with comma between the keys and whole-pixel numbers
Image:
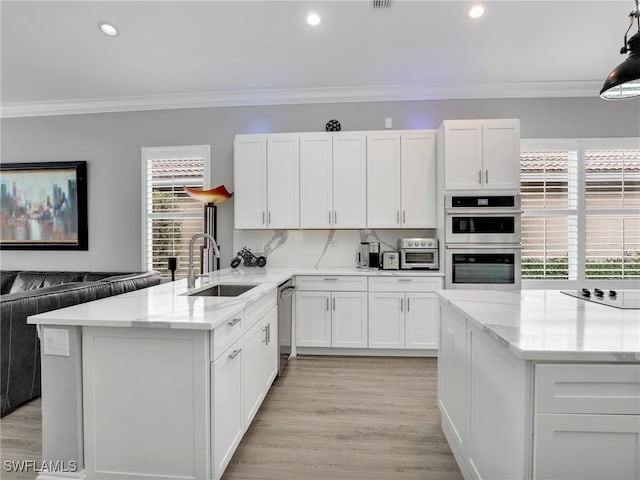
[
  {"x": 581, "y": 203},
  {"x": 549, "y": 221},
  {"x": 612, "y": 186},
  {"x": 171, "y": 216}
]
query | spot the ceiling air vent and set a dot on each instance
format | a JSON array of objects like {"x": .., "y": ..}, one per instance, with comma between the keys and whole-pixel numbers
[{"x": 381, "y": 3}]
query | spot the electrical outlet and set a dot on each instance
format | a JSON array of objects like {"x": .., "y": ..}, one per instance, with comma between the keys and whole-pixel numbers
[
  {"x": 56, "y": 342},
  {"x": 388, "y": 122}
]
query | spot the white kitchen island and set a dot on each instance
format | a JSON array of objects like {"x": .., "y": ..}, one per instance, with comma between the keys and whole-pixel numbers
[
  {"x": 157, "y": 384},
  {"x": 539, "y": 385}
]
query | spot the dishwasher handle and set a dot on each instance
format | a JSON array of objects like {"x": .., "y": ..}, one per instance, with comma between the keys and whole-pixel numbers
[{"x": 287, "y": 292}]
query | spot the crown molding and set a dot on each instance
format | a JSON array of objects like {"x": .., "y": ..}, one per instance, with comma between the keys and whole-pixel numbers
[{"x": 376, "y": 93}]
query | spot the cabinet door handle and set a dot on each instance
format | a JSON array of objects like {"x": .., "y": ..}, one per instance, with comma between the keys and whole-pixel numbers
[
  {"x": 397, "y": 216},
  {"x": 330, "y": 279},
  {"x": 233, "y": 322},
  {"x": 329, "y": 216},
  {"x": 402, "y": 304},
  {"x": 404, "y": 216},
  {"x": 408, "y": 304},
  {"x": 263, "y": 218},
  {"x": 486, "y": 176},
  {"x": 405, "y": 279},
  {"x": 266, "y": 338},
  {"x": 234, "y": 354},
  {"x": 327, "y": 304},
  {"x": 335, "y": 217},
  {"x": 479, "y": 176},
  {"x": 269, "y": 218},
  {"x": 268, "y": 333},
  {"x": 334, "y": 304}
]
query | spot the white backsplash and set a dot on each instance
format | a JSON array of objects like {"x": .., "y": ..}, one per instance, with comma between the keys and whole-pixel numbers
[{"x": 317, "y": 248}]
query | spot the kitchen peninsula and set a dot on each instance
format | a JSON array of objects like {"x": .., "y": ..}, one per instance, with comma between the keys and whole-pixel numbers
[
  {"x": 162, "y": 384},
  {"x": 538, "y": 384}
]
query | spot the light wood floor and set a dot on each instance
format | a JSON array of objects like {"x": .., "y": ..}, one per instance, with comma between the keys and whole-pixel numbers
[{"x": 326, "y": 418}]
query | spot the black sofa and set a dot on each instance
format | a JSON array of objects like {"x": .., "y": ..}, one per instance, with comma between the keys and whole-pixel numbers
[{"x": 26, "y": 293}]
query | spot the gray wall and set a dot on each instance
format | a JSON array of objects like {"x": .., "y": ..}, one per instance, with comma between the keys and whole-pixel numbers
[{"x": 111, "y": 144}]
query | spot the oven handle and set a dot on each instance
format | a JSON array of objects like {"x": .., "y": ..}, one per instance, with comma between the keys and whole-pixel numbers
[
  {"x": 486, "y": 246},
  {"x": 482, "y": 211}
]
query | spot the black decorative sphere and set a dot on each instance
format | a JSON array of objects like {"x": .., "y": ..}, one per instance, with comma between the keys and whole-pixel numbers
[{"x": 333, "y": 126}]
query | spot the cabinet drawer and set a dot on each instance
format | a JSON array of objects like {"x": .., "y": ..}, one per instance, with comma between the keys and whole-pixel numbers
[
  {"x": 612, "y": 389},
  {"x": 404, "y": 284},
  {"x": 256, "y": 310},
  {"x": 332, "y": 283},
  {"x": 223, "y": 336}
]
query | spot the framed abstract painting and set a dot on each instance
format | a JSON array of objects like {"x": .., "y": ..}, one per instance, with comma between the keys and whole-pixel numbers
[{"x": 43, "y": 206}]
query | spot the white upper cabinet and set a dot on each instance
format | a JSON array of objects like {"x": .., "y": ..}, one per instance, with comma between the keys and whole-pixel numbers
[
  {"x": 332, "y": 180},
  {"x": 481, "y": 154},
  {"x": 401, "y": 180},
  {"x": 250, "y": 186},
  {"x": 501, "y": 154},
  {"x": 266, "y": 181},
  {"x": 349, "y": 180},
  {"x": 383, "y": 180},
  {"x": 316, "y": 181},
  {"x": 418, "y": 173},
  {"x": 283, "y": 187}
]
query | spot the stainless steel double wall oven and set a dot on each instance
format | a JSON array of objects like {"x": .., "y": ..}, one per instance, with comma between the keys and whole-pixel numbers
[{"x": 483, "y": 241}]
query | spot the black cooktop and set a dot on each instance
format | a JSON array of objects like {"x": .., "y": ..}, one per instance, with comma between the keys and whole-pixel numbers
[{"x": 625, "y": 299}]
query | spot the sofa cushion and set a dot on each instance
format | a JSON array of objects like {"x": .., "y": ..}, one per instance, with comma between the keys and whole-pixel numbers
[
  {"x": 97, "y": 276},
  {"x": 130, "y": 282},
  {"x": 32, "y": 280},
  {"x": 6, "y": 280}
]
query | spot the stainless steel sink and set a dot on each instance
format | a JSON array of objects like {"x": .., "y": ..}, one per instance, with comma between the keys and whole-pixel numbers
[{"x": 223, "y": 290}]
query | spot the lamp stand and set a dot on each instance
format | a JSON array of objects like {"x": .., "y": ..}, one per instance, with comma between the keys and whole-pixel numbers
[{"x": 210, "y": 227}]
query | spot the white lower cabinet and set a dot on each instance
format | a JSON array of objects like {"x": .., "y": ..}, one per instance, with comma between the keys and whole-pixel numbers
[
  {"x": 421, "y": 321},
  {"x": 403, "y": 320},
  {"x": 270, "y": 352},
  {"x": 386, "y": 320},
  {"x": 227, "y": 426},
  {"x": 506, "y": 417},
  {"x": 588, "y": 447},
  {"x": 313, "y": 319},
  {"x": 349, "y": 319},
  {"x": 331, "y": 319},
  {"x": 260, "y": 363}
]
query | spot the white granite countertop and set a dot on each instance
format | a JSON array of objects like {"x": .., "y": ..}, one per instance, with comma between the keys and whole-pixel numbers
[
  {"x": 547, "y": 325},
  {"x": 168, "y": 306}
]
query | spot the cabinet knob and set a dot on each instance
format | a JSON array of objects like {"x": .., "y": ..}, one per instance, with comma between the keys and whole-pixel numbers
[{"x": 486, "y": 176}]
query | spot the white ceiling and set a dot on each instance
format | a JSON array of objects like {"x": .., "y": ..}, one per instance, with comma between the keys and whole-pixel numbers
[{"x": 171, "y": 54}]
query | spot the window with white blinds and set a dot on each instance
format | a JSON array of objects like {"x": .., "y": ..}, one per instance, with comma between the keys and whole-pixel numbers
[
  {"x": 612, "y": 214},
  {"x": 581, "y": 202},
  {"x": 549, "y": 222},
  {"x": 171, "y": 217}
]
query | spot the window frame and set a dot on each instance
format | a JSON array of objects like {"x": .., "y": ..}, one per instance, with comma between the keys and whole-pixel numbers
[
  {"x": 580, "y": 145},
  {"x": 167, "y": 153}
]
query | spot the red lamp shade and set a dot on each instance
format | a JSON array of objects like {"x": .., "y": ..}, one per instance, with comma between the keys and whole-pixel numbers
[{"x": 215, "y": 195}]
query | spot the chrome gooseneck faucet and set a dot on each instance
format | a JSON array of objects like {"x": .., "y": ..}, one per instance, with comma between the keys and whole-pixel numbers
[{"x": 191, "y": 279}]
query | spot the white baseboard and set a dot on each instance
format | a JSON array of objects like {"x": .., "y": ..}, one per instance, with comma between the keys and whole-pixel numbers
[
  {"x": 81, "y": 475},
  {"x": 365, "y": 352}
]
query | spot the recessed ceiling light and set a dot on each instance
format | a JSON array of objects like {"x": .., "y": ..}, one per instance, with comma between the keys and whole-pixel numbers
[
  {"x": 313, "y": 19},
  {"x": 477, "y": 11},
  {"x": 108, "y": 29}
]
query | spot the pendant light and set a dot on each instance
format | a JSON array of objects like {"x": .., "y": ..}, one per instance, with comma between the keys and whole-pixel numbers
[{"x": 624, "y": 81}]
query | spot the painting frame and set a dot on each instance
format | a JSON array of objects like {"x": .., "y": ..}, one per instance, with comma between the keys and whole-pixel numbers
[{"x": 60, "y": 218}]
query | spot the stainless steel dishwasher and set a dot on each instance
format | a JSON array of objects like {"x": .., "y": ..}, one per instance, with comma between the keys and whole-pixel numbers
[{"x": 285, "y": 317}]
